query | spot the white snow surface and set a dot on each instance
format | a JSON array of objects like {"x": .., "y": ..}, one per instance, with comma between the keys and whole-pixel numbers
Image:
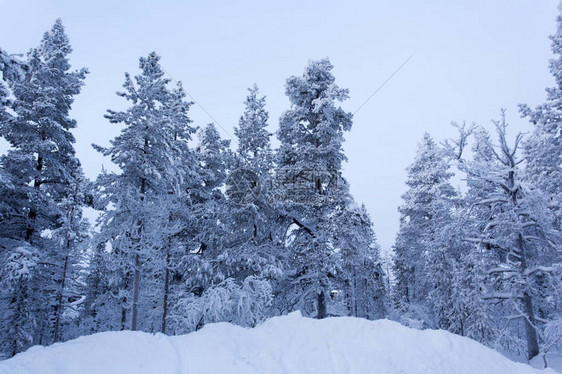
[{"x": 287, "y": 344}]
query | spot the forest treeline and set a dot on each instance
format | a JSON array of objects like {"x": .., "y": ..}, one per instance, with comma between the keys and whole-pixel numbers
[{"x": 193, "y": 230}]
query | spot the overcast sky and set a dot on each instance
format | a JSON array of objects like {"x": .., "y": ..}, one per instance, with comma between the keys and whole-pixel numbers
[{"x": 470, "y": 58}]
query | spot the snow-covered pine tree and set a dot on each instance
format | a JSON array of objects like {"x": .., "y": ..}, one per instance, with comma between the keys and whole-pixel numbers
[
  {"x": 252, "y": 248},
  {"x": 136, "y": 223},
  {"x": 13, "y": 337},
  {"x": 515, "y": 237},
  {"x": 70, "y": 236},
  {"x": 361, "y": 279},
  {"x": 11, "y": 70},
  {"x": 187, "y": 183},
  {"x": 543, "y": 155},
  {"x": 311, "y": 187},
  {"x": 227, "y": 278},
  {"x": 205, "y": 294},
  {"x": 215, "y": 159},
  {"x": 426, "y": 208},
  {"x": 41, "y": 166},
  {"x": 444, "y": 273},
  {"x": 543, "y": 149},
  {"x": 254, "y": 145},
  {"x": 92, "y": 316},
  {"x": 252, "y": 218},
  {"x": 477, "y": 321}
]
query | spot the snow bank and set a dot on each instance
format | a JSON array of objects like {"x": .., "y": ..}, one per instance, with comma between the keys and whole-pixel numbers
[{"x": 288, "y": 344}]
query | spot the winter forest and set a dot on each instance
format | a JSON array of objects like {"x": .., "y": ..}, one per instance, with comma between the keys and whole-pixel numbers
[{"x": 195, "y": 229}]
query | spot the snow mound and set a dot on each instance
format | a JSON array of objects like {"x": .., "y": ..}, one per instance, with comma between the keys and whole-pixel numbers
[{"x": 288, "y": 344}]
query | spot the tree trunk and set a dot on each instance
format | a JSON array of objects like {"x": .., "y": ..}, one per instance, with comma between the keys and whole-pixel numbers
[
  {"x": 123, "y": 314},
  {"x": 321, "y": 305},
  {"x": 353, "y": 295},
  {"x": 58, "y": 311},
  {"x": 124, "y": 305},
  {"x": 530, "y": 329},
  {"x": 136, "y": 279},
  {"x": 32, "y": 213},
  {"x": 136, "y": 289},
  {"x": 17, "y": 326},
  {"x": 166, "y": 290}
]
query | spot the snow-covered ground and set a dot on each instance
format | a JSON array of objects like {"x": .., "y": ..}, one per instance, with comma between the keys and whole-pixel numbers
[{"x": 288, "y": 344}]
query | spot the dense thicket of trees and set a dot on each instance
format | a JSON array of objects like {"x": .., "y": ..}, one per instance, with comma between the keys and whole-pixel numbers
[
  {"x": 189, "y": 231},
  {"x": 193, "y": 231},
  {"x": 485, "y": 261}
]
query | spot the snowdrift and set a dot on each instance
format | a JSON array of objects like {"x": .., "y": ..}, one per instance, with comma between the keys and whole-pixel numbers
[{"x": 288, "y": 344}]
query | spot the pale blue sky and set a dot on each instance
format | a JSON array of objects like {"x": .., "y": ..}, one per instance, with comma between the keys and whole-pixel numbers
[{"x": 471, "y": 58}]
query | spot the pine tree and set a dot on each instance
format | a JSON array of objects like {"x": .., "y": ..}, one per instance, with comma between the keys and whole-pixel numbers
[
  {"x": 543, "y": 149},
  {"x": 254, "y": 148},
  {"x": 253, "y": 248},
  {"x": 71, "y": 235},
  {"x": 515, "y": 235},
  {"x": 543, "y": 155},
  {"x": 149, "y": 151},
  {"x": 426, "y": 208},
  {"x": 11, "y": 70},
  {"x": 206, "y": 293},
  {"x": 312, "y": 188},
  {"x": 40, "y": 166},
  {"x": 361, "y": 279},
  {"x": 247, "y": 186}
]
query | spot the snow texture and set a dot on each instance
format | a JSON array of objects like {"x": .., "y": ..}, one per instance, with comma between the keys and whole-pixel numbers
[{"x": 288, "y": 344}]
